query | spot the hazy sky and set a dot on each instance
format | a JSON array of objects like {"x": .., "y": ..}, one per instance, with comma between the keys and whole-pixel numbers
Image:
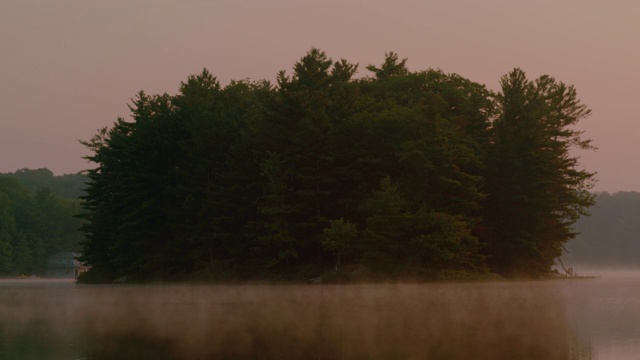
[{"x": 70, "y": 67}]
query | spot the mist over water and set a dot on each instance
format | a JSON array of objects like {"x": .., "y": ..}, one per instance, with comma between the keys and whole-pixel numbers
[{"x": 573, "y": 319}]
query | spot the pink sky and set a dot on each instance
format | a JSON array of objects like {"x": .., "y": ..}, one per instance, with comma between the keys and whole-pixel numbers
[{"x": 69, "y": 67}]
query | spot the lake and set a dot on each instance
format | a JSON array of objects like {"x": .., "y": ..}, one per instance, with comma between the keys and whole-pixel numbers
[{"x": 572, "y": 319}]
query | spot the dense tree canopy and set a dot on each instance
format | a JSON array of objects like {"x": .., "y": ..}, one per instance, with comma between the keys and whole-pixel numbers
[
  {"x": 404, "y": 173},
  {"x": 34, "y": 224},
  {"x": 66, "y": 186}
]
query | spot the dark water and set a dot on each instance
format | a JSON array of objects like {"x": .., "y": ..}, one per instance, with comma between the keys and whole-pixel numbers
[{"x": 577, "y": 319}]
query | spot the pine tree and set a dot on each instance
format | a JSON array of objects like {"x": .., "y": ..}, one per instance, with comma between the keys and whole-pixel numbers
[
  {"x": 418, "y": 136},
  {"x": 308, "y": 121},
  {"x": 536, "y": 190}
]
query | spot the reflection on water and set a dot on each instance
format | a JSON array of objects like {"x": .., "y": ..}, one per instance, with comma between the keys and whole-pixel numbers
[{"x": 581, "y": 319}]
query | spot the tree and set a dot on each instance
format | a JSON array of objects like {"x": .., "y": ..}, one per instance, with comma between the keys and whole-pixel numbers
[
  {"x": 23, "y": 262},
  {"x": 307, "y": 126},
  {"x": 7, "y": 233},
  {"x": 33, "y": 226},
  {"x": 426, "y": 131},
  {"x": 390, "y": 67},
  {"x": 254, "y": 180},
  {"x": 535, "y": 189},
  {"x": 216, "y": 184},
  {"x": 126, "y": 203},
  {"x": 401, "y": 238},
  {"x": 608, "y": 237},
  {"x": 338, "y": 237},
  {"x": 66, "y": 186}
]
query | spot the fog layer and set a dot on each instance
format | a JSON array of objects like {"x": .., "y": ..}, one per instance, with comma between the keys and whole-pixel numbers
[{"x": 446, "y": 321}]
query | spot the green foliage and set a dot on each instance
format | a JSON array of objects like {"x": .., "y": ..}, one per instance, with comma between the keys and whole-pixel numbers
[
  {"x": 67, "y": 186},
  {"x": 34, "y": 226},
  {"x": 390, "y": 67},
  {"x": 339, "y": 237},
  {"x": 253, "y": 180},
  {"x": 397, "y": 236},
  {"x": 536, "y": 192}
]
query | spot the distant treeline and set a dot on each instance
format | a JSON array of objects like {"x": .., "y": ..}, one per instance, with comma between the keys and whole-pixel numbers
[
  {"x": 610, "y": 237},
  {"x": 37, "y": 219},
  {"x": 67, "y": 186},
  {"x": 402, "y": 174}
]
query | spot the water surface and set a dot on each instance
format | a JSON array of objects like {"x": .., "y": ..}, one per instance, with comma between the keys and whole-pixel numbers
[{"x": 576, "y": 319}]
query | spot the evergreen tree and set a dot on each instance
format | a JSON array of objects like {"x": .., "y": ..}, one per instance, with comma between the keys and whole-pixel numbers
[
  {"x": 436, "y": 165},
  {"x": 536, "y": 190},
  {"x": 247, "y": 180},
  {"x": 7, "y": 233},
  {"x": 100, "y": 202},
  {"x": 307, "y": 121}
]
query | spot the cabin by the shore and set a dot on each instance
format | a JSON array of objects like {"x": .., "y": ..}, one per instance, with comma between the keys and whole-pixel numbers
[{"x": 64, "y": 265}]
